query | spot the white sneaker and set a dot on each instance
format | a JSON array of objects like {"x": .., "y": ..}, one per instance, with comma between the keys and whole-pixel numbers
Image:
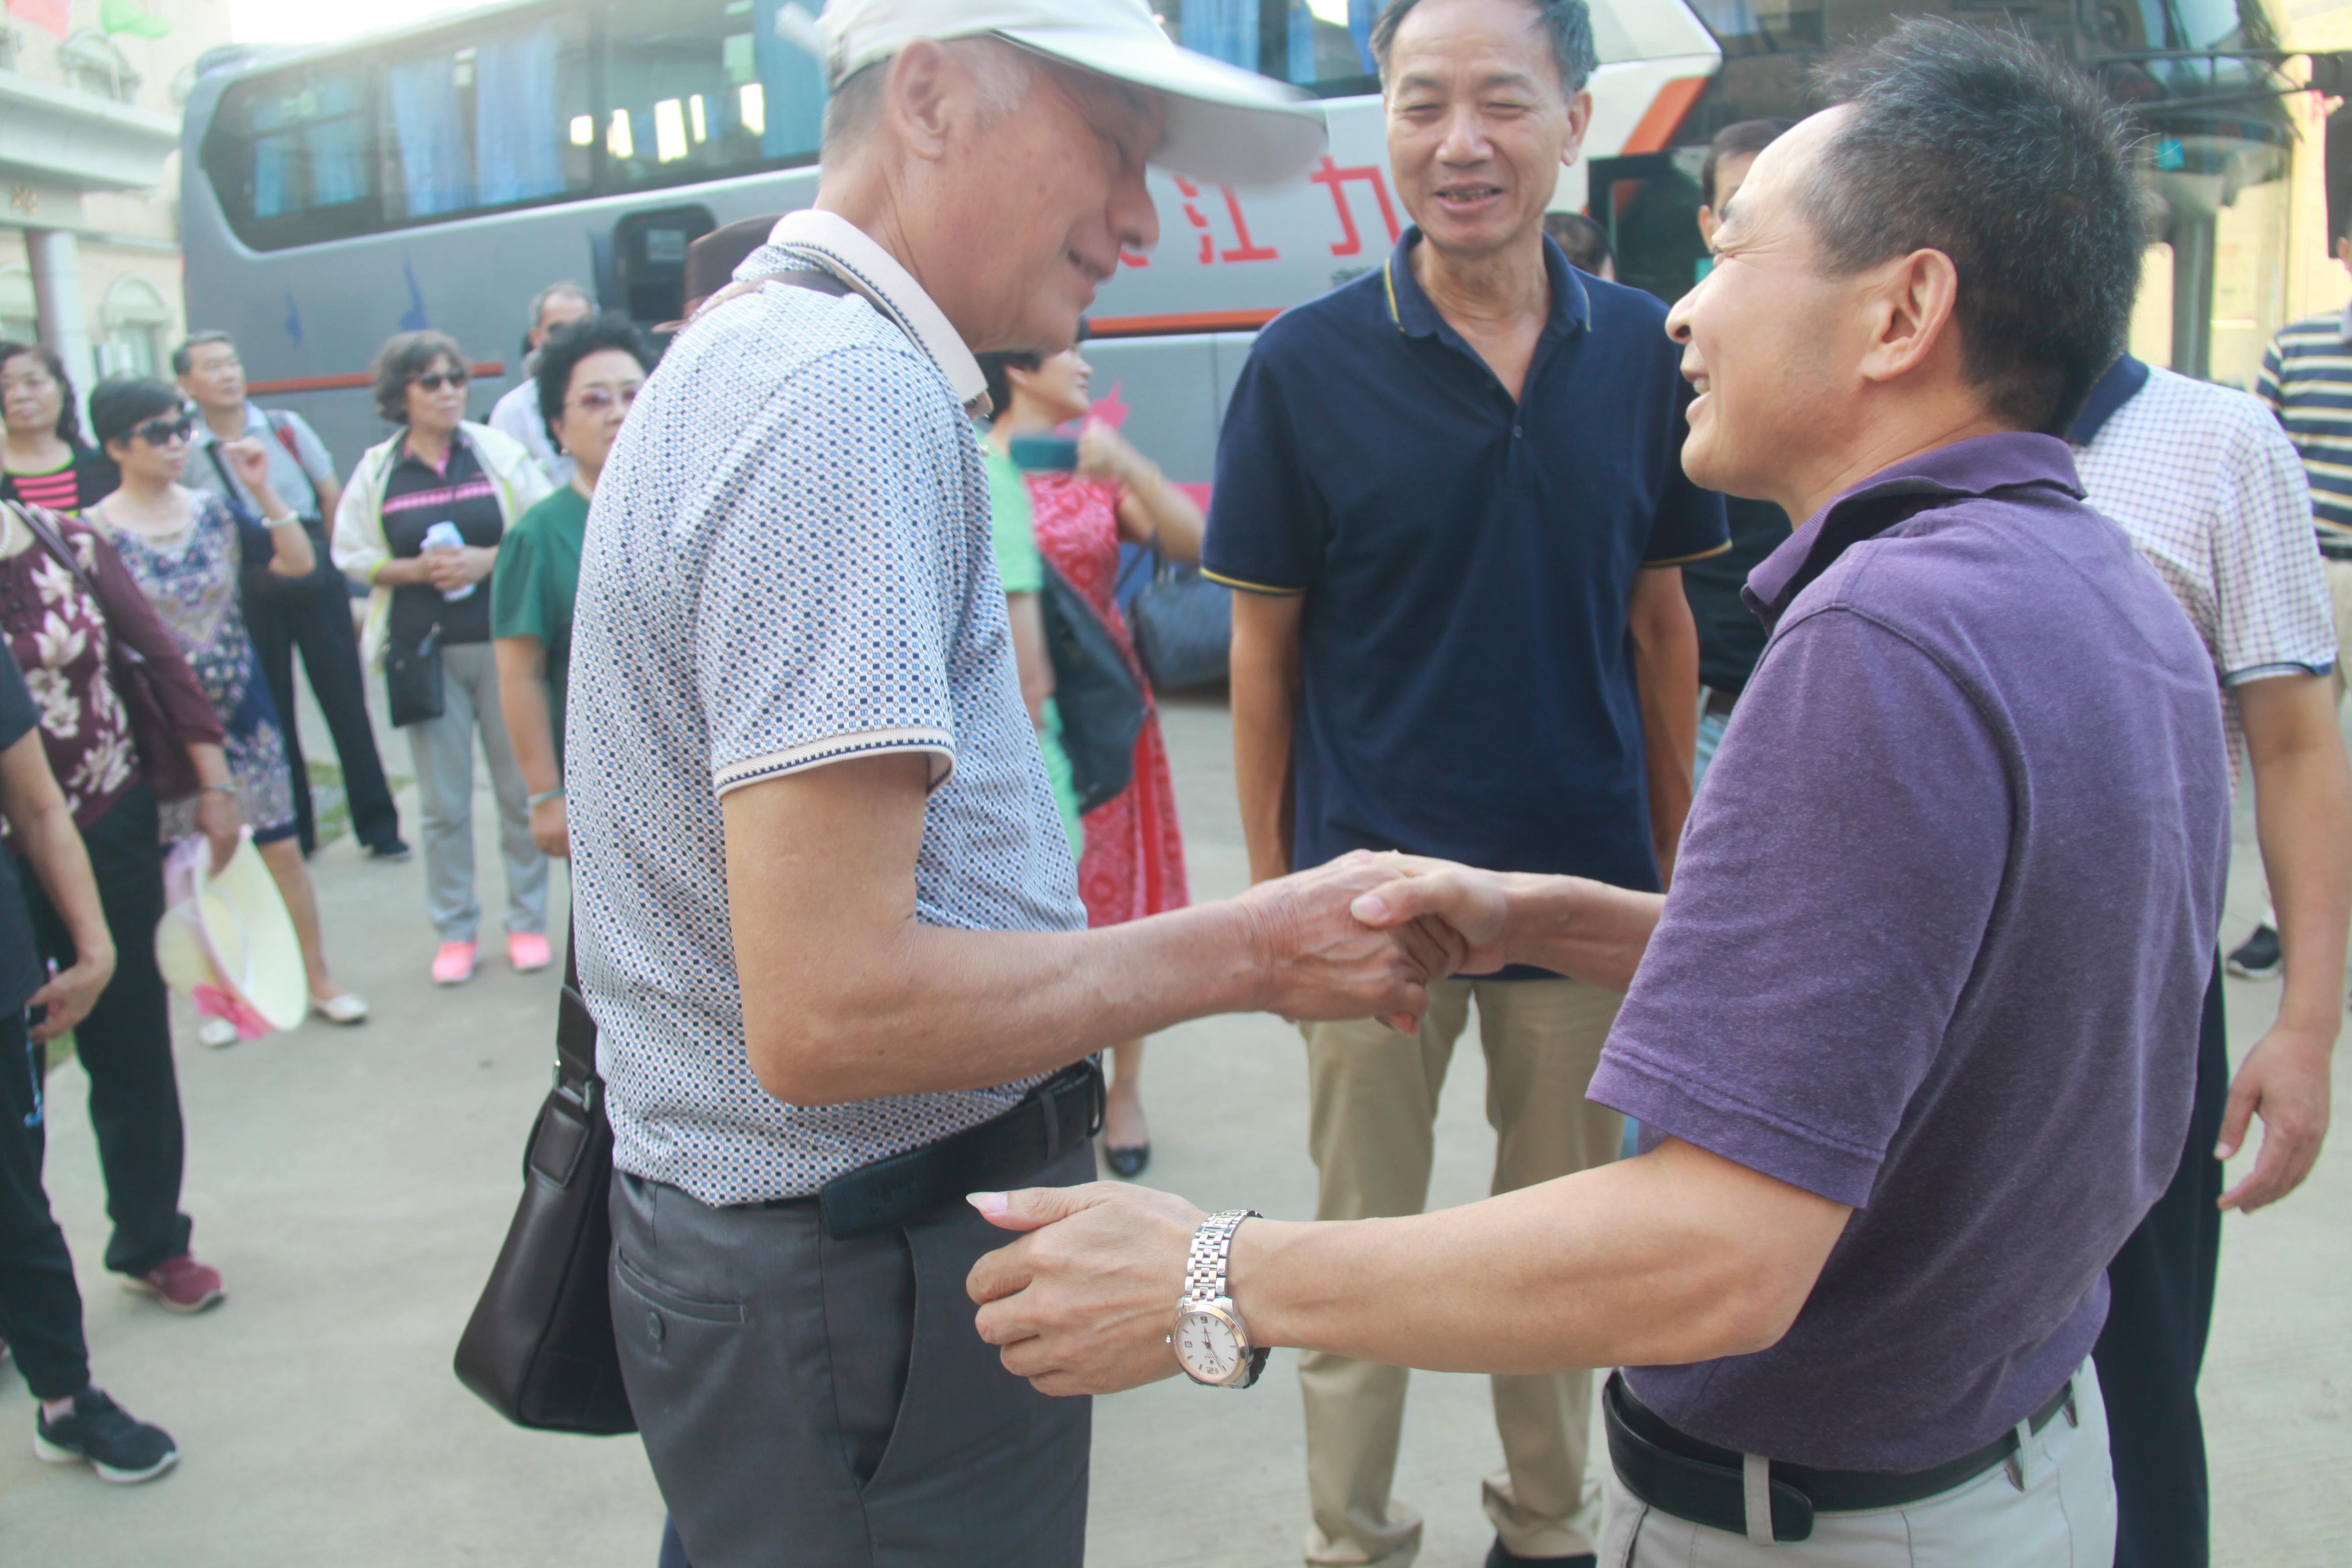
[
  {"x": 347, "y": 1008},
  {"x": 216, "y": 1032}
]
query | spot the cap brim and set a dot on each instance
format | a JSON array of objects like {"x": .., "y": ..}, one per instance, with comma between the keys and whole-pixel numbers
[{"x": 1219, "y": 122}]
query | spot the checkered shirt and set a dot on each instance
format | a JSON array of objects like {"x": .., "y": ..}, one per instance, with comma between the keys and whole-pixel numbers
[
  {"x": 2205, "y": 483},
  {"x": 788, "y": 564}
]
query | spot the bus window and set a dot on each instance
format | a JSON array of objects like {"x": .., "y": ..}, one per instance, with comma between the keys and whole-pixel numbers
[
  {"x": 1325, "y": 46},
  {"x": 488, "y": 124},
  {"x": 292, "y": 157},
  {"x": 1762, "y": 26},
  {"x": 696, "y": 91}
]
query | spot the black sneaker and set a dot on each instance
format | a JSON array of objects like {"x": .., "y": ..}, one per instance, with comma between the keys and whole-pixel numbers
[
  {"x": 2257, "y": 957},
  {"x": 395, "y": 850},
  {"x": 102, "y": 1434}
]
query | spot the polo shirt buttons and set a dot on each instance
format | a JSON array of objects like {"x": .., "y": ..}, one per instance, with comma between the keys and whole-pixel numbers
[
  {"x": 654, "y": 1329},
  {"x": 1517, "y": 432}
]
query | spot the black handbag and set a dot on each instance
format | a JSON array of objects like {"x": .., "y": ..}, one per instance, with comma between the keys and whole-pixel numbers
[
  {"x": 1095, "y": 690},
  {"x": 1183, "y": 627},
  {"x": 539, "y": 1349},
  {"x": 256, "y": 580},
  {"x": 412, "y": 679}
]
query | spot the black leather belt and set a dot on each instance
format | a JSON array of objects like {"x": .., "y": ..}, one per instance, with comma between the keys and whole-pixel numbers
[
  {"x": 1679, "y": 1475},
  {"x": 1057, "y": 1116}
]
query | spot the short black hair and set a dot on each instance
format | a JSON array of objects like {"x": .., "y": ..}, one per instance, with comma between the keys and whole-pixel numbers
[
  {"x": 402, "y": 360},
  {"x": 1585, "y": 241},
  {"x": 1742, "y": 139},
  {"x": 996, "y": 362},
  {"x": 183, "y": 358},
  {"x": 1567, "y": 24},
  {"x": 121, "y": 404},
  {"x": 69, "y": 424},
  {"x": 567, "y": 346},
  {"x": 1977, "y": 142}
]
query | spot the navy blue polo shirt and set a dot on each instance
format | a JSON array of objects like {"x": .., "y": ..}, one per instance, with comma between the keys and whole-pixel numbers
[{"x": 1467, "y": 562}]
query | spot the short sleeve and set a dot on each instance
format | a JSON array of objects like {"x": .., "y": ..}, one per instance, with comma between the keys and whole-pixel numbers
[
  {"x": 20, "y": 715},
  {"x": 1833, "y": 891},
  {"x": 827, "y": 596},
  {"x": 1010, "y": 527},
  {"x": 518, "y": 594},
  {"x": 2275, "y": 616},
  {"x": 2269, "y": 385},
  {"x": 1690, "y": 524},
  {"x": 1268, "y": 528}
]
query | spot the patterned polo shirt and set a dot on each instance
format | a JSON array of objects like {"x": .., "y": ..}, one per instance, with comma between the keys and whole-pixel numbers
[
  {"x": 791, "y": 565},
  {"x": 2213, "y": 495},
  {"x": 2306, "y": 379}
]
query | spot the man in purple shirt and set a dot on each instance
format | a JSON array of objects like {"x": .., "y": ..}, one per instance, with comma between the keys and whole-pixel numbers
[{"x": 1913, "y": 1035}]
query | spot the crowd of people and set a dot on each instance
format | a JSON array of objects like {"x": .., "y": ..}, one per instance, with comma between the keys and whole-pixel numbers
[{"x": 1799, "y": 724}]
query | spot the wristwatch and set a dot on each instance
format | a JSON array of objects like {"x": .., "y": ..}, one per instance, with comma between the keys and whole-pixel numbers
[{"x": 1210, "y": 1342}]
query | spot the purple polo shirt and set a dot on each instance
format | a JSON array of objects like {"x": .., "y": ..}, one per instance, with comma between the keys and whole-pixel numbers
[{"x": 1936, "y": 948}]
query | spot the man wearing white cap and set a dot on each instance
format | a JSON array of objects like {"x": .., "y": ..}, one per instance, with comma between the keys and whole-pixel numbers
[{"x": 827, "y": 918}]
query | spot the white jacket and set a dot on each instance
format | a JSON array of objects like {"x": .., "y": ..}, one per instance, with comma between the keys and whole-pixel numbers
[{"x": 359, "y": 548}]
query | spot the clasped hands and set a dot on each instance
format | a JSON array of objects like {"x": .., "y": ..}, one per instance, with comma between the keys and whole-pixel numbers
[{"x": 1082, "y": 1304}]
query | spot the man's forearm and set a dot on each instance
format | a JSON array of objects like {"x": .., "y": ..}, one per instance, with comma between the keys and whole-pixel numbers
[
  {"x": 1666, "y": 674},
  {"x": 1574, "y": 926},
  {"x": 1676, "y": 1256},
  {"x": 944, "y": 1009},
  {"x": 1265, "y": 714},
  {"x": 2303, "y": 818}
]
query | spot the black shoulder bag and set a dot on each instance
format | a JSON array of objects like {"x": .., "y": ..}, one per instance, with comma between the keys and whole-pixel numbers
[
  {"x": 1095, "y": 692},
  {"x": 538, "y": 1348}
]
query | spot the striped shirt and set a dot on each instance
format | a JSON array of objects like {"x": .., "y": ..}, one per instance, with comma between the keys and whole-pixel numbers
[{"x": 2307, "y": 381}]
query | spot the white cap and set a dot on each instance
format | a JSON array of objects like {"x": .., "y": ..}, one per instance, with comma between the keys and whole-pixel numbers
[{"x": 1220, "y": 123}]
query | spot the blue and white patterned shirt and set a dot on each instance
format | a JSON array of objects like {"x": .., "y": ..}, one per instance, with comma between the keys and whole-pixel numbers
[{"x": 788, "y": 564}]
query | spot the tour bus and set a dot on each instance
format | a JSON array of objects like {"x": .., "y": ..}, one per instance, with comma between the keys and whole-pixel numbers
[{"x": 439, "y": 176}]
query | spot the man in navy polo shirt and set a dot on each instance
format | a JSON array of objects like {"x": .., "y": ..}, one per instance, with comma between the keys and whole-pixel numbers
[{"x": 1451, "y": 496}]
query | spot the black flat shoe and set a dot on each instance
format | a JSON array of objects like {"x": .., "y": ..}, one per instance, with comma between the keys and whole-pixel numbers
[
  {"x": 1501, "y": 1556},
  {"x": 1127, "y": 1163}
]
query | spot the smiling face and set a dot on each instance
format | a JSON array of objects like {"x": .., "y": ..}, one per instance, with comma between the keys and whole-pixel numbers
[
  {"x": 30, "y": 397},
  {"x": 1028, "y": 210},
  {"x": 602, "y": 387},
  {"x": 1056, "y": 392},
  {"x": 1770, "y": 340},
  {"x": 1479, "y": 127}
]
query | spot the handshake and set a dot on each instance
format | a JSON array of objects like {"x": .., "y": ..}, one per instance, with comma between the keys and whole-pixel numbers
[{"x": 1365, "y": 935}]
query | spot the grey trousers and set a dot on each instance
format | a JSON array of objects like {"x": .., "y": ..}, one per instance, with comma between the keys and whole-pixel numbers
[
  {"x": 444, "y": 751},
  {"x": 810, "y": 1403}
]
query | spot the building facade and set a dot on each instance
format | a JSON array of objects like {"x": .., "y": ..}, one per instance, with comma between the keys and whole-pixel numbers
[{"x": 89, "y": 137}]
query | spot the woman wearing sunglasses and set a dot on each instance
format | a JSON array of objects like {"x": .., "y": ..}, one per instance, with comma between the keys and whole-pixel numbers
[
  {"x": 43, "y": 458},
  {"x": 441, "y": 478},
  {"x": 188, "y": 549}
]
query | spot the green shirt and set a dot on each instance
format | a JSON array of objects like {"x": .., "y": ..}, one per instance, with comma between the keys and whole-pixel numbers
[
  {"x": 1022, "y": 571},
  {"x": 536, "y": 582}
]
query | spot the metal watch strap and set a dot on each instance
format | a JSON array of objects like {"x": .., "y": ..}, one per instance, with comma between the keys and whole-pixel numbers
[{"x": 1207, "y": 1265}]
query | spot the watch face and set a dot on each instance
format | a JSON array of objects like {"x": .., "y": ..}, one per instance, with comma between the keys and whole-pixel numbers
[{"x": 1207, "y": 1347}]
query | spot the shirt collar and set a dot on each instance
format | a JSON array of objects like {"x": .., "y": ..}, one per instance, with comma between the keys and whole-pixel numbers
[
  {"x": 1416, "y": 317},
  {"x": 1976, "y": 467},
  {"x": 847, "y": 252},
  {"x": 203, "y": 433},
  {"x": 2119, "y": 387}
]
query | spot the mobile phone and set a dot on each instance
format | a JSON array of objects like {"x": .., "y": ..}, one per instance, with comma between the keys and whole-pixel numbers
[{"x": 1044, "y": 454}]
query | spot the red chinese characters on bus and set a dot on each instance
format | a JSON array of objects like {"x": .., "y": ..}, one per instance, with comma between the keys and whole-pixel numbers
[{"x": 1332, "y": 174}]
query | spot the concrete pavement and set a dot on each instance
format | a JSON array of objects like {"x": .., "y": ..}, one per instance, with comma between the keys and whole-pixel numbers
[{"x": 353, "y": 1186}]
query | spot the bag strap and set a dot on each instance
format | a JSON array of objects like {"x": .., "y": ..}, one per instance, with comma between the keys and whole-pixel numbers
[
  {"x": 284, "y": 433},
  {"x": 575, "y": 1033}
]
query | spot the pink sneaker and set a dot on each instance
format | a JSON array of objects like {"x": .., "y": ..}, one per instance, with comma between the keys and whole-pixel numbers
[
  {"x": 527, "y": 952},
  {"x": 182, "y": 1284},
  {"x": 454, "y": 964}
]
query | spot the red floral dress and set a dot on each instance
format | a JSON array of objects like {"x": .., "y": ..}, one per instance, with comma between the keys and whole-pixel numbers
[{"x": 1133, "y": 863}]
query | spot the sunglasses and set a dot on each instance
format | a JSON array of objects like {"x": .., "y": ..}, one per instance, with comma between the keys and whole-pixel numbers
[
  {"x": 435, "y": 380},
  {"x": 166, "y": 428}
]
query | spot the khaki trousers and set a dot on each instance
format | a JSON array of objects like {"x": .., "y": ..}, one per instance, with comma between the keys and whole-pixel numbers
[
  {"x": 1373, "y": 1094},
  {"x": 2055, "y": 1510}
]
